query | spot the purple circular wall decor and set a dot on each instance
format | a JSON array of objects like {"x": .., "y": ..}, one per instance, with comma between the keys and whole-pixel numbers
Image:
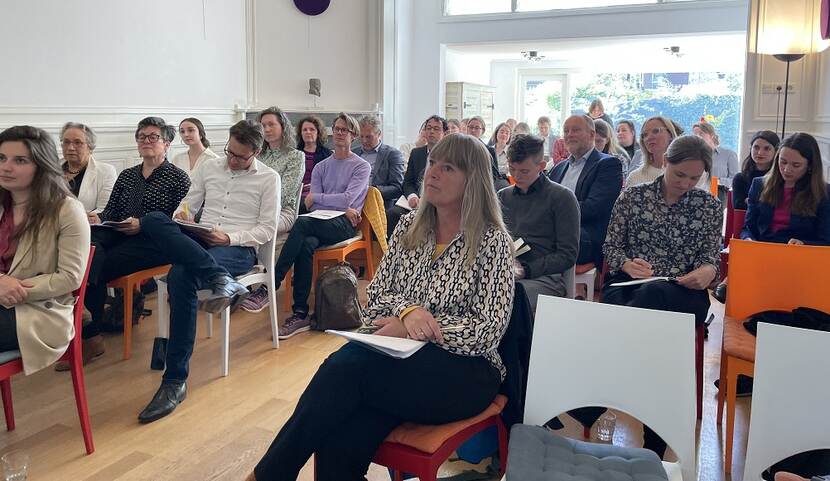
[
  {"x": 312, "y": 7},
  {"x": 825, "y": 19}
]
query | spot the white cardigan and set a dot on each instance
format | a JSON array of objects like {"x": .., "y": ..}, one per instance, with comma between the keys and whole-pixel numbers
[
  {"x": 182, "y": 160},
  {"x": 96, "y": 186}
]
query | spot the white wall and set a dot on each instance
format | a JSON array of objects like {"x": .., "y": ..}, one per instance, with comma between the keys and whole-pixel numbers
[
  {"x": 109, "y": 64},
  {"x": 421, "y": 62},
  {"x": 341, "y": 47},
  {"x": 462, "y": 67}
]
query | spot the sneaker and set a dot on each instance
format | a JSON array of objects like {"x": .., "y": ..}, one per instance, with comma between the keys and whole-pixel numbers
[
  {"x": 257, "y": 301},
  {"x": 297, "y": 323}
]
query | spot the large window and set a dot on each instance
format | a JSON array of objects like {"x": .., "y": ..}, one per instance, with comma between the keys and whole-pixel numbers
[{"x": 475, "y": 7}]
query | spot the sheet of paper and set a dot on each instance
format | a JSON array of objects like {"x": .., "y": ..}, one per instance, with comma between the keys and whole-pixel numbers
[
  {"x": 403, "y": 203},
  {"x": 396, "y": 347},
  {"x": 637, "y": 282},
  {"x": 194, "y": 226},
  {"x": 323, "y": 214}
]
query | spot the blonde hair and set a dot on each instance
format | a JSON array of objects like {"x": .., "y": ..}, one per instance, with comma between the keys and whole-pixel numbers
[
  {"x": 480, "y": 209},
  {"x": 612, "y": 146},
  {"x": 667, "y": 123}
]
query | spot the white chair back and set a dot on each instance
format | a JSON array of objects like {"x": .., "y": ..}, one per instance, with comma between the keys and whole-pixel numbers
[
  {"x": 641, "y": 362},
  {"x": 790, "y": 396}
]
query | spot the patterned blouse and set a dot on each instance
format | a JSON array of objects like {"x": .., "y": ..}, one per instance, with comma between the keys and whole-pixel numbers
[
  {"x": 675, "y": 239},
  {"x": 291, "y": 167},
  {"x": 135, "y": 196},
  {"x": 478, "y": 297}
]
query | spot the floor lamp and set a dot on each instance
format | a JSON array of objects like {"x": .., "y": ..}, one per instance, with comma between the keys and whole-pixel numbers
[{"x": 787, "y": 30}]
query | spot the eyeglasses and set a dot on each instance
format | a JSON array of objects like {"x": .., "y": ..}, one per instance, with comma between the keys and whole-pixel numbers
[
  {"x": 342, "y": 130},
  {"x": 152, "y": 138},
  {"x": 655, "y": 131},
  {"x": 232, "y": 155},
  {"x": 73, "y": 143}
]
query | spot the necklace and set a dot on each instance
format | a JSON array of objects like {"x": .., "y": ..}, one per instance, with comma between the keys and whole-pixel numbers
[{"x": 73, "y": 172}]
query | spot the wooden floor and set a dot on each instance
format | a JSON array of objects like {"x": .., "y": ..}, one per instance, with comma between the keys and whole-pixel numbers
[{"x": 226, "y": 424}]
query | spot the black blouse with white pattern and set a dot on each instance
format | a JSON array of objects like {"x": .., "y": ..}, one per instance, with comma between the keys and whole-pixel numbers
[
  {"x": 135, "y": 196},
  {"x": 474, "y": 299}
]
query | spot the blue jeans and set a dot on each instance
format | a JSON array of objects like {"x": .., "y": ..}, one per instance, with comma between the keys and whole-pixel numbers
[{"x": 194, "y": 265}]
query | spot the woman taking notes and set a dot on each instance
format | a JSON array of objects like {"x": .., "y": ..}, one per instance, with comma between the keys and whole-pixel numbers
[{"x": 446, "y": 280}]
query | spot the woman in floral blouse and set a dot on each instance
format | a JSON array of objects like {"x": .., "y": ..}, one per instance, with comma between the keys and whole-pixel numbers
[
  {"x": 666, "y": 228},
  {"x": 446, "y": 280}
]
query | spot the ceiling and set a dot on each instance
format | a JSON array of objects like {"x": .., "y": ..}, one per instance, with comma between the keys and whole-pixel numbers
[{"x": 704, "y": 52}]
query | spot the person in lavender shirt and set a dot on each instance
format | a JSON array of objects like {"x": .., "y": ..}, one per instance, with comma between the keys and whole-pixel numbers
[{"x": 340, "y": 182}]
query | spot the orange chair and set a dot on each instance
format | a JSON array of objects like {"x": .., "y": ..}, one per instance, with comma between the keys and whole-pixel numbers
[
  {"x": 337, "y": 253},
  {"x": 764, "y": 276},
  {"x": 128, "y": 284},
  {"x": 13, "y": 365},
  {"x": 421, "y": 450},
  {"x": 713, "y": 185}
]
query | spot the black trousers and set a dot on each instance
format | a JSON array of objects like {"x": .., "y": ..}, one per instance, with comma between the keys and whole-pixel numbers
[
  {"x": 298, "y": 251},
  {"x": 116, "y": 255},
  {"x": 8, "y": 330},
  {"x": 358, "y": 396},
  {"x": 659, "y": 295}
]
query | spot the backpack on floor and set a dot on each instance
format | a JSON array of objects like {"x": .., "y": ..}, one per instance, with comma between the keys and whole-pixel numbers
[
  {"x": 335, "y": 299},
  {"x": 113, "y": 320}
]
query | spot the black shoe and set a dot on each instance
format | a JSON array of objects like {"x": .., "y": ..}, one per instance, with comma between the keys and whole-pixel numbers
[
  {"x": 744, "y": 386},
  {"x": 169, "y": 395},
  {"x": 226, "y": 292},
  {"x": 719, "y": 293}
]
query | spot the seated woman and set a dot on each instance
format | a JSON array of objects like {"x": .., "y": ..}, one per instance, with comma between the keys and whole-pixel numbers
[
  {"x": 500, "y": 140},
  {"x": 446, "y": 280},
  {"x": 790, "y": 204},
  {"x": 666, "y": 228},
  {"x": 44, "y": 248},
  {"x": 762, "y": 150},
  {"x": 311, "y": 140},
  {"x": 153, "y": 185},
  {"x": 339, "y": 183},
  {"x": 655, "y": 136},
  {"x": 606, "y": 142},
  {"x": 627, "y": 138},
  {"x": 192, "y": 133},
  {"x": 88, "y": 180}
]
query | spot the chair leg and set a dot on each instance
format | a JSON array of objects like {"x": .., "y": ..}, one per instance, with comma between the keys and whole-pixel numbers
[
  {"x": 586, "y": 432},
  {"x": 77, "y": 369},
  {"x": 128, "y": 320},
  {"x": 370, "y": 264},
  {"x": 724, "y": 367},
  {"x": 209, "y": 325},
  {"x": 502, "y": 446},
  {"x": 8, "y": 407},
  {"x": 162, "y": 309},
  {"x": 226, "y": 339},
  {"x": 699, "y": 333},
  {"x": 731, "y": 398},
  {"x": 589, "y": 289},
  {"x": 287, "y": 291},
  {"x": 272, "y": 311}
]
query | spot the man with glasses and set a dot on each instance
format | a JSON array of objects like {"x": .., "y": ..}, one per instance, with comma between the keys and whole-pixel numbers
[
  {"x": 339, "y": 183},
  {"x": 434, "y": 129},
  {"x": 154, "y": 185},
  {"x": 239, "y": 197}
]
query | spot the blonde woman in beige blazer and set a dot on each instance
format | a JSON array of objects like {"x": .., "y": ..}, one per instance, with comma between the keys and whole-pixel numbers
[
  {"x": 44, "y": 248},
  {"x": 91, "y": 182}
]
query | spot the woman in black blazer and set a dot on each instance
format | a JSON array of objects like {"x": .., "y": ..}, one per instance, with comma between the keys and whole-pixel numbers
[
  {"x": 311, "y": 141},
  {"x": 791, "y": 203}
]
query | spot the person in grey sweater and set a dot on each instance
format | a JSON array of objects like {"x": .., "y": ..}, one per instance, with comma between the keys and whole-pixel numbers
[{"x": 545, "y": 215}]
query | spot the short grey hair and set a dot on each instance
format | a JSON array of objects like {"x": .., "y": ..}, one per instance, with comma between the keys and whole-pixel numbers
[
  {"x": 371, "y": 120},
  {"x": 91, "y": 138},
  {"x": 168, "y": 132}
]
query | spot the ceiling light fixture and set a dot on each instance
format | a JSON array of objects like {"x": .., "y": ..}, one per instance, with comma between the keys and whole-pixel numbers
[
  {"x": 532, "y": 56},
  {"x": 673, "y": 50}
]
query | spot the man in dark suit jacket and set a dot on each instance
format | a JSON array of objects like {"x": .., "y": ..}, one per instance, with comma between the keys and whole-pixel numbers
[
  {"x": 386, "y": 161},
  {"x": 435, "y": 128},
  {"x": 596, "y": 180}
]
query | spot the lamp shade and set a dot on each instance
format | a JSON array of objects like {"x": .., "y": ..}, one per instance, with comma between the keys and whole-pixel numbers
[{"x": 786, "y": 27}]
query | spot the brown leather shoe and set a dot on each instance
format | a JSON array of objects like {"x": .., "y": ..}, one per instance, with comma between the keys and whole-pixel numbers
[{"x": 92, "y": 349}]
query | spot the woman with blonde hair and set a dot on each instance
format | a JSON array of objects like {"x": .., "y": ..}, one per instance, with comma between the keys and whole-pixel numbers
[
  {"x": 445, "y": 280},
  {"x": 44, "y": 248},
  {"x": 500, "y": 140},
  {"x": 724, "y": 161},
  {"x": 606, "y": 142},
  {"x": 655, "y": 136}
]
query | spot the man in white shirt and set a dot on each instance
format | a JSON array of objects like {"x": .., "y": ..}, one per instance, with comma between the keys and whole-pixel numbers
[{"x": 240, "y": 199}]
